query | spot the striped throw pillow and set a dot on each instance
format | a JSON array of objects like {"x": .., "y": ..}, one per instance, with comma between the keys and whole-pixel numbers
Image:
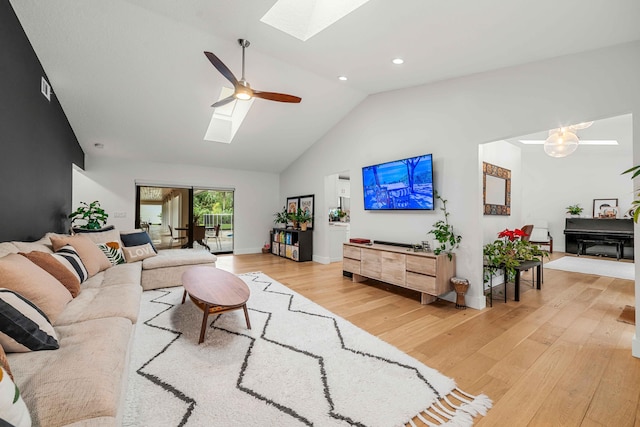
[
  {"x": 23, "y": 326},
  {"x": 113, "y": 252},
  {"x": 71, "y": 260}
]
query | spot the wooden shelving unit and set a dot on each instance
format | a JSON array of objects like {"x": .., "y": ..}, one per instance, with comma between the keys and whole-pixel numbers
[{"x": 295, "y": 245}]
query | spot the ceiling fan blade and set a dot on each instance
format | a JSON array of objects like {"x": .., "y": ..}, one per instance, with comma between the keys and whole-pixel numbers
[
  {"x": 222, "y": 102},
  {"x": 224, "y": 70},
  {"x": 273, "y": 96}
]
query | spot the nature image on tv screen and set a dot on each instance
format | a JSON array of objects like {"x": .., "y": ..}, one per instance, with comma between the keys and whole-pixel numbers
[{"x": 402, "y": 184}]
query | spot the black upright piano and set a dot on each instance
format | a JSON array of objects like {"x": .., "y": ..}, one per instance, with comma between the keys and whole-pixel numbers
[{"x": 592, "y": 236}]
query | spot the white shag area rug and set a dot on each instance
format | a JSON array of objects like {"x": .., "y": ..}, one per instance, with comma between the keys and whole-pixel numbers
[
  {"x": 600, "y": 267},
  {"x": 299, "y": 365}
]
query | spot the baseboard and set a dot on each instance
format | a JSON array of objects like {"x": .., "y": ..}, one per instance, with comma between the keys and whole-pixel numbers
[
  {"x": 635, "y": 346},
  {"x": 321, "y": 259},
  {"x": 247, "y": 251}
]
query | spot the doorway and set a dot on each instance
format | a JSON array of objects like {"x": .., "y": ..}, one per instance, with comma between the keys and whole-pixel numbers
[
  {"x": 187, "y": 217},
  {"x": 213, "y": 216}
]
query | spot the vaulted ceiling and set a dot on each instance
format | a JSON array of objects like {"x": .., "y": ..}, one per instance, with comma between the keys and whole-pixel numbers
[{"x": 131, "y": 74}]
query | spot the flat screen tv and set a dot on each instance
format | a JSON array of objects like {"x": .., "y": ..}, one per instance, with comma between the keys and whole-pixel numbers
[{"x": 405, "y": 184}]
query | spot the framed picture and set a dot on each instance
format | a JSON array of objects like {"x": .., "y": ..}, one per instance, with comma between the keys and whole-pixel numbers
[
  {"x": 605, "y": 208},
  {"x": 292, "y": 207},
  {"x": 306, "y": 204},
  {"x": 496, "y": 189}
]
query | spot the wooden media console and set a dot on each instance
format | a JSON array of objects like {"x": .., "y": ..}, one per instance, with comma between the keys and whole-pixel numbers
[{"x": 424, "y": 272}]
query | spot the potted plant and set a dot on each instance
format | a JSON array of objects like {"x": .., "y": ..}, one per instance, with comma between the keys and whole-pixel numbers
[
  {"x": 574, "y": 210},
  {"x": 281, "y": 218},
  {"x": 92, "y": 213},
  {"x": 509, "y": 250},
  {"x": 302, "y": 218},
  {"x": 443, "y": 232},
  {"x": 634, "y": 212}
]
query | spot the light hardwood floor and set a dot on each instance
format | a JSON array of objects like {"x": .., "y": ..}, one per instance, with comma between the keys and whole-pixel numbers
[{"x": 559, "y": 357}]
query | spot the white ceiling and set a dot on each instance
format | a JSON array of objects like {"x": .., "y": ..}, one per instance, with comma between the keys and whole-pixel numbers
[{"x": 131, "y": 74}]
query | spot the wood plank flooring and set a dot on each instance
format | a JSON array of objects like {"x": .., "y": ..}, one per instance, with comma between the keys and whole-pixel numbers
[{"x": 559, "y": 357}]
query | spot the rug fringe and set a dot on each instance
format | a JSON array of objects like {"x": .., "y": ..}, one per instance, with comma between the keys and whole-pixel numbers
[{"x": 445, "y": 412}]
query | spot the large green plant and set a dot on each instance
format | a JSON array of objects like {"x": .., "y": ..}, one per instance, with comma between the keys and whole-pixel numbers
[
  {"x": 92, "y": 213},
  {"x": 443, "y": 232}
]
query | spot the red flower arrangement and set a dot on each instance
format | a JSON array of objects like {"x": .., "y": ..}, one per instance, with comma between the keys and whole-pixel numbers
[{"x": 512, "y": 234}]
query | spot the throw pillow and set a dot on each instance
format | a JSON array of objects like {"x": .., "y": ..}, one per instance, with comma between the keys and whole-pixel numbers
[
  {"x": 136, "y": 238},
  {"x": 54, "y": 267},
  {"x": 69, "y": 259},
  {"x": 13, "y": 411},
  {"x": 113, "y": 252},
  {"x": 4, "y": 363},
  {"x": 23, "y": 326},
  {"x": 42, "y": 289},
  {"x": 92, "y": 257},
  {"x": 138, "y": 253}
]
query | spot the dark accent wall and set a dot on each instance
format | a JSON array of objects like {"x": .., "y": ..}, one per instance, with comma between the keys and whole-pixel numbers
[{"x": 37, "y": 144}]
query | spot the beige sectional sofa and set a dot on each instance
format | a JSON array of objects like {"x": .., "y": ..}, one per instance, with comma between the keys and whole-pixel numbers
[{"x": 83, "y": 382}]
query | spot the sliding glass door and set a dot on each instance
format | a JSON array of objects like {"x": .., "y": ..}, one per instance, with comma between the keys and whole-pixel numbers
[{"x": 213, "y": 213}]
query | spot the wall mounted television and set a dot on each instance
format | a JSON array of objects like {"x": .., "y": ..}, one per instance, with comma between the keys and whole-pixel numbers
[{"x": 405, "y": 184}]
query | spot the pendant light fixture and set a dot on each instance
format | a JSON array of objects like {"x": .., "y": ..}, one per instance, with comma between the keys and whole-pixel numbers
[{"x": 561, "y": 143}]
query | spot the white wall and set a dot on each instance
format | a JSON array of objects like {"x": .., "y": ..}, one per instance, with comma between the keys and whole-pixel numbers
[
  {"x": 552, "y": 184},
  {"x": 113, "y": 183},
  {"x": 450, "y": 119},
  {"x": 508, "y": 156}
]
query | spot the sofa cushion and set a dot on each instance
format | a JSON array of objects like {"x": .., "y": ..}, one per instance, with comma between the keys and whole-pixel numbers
[
  {"x": 92, "y": 257},
  {"x": 113, "y": 252},
  {"x": 178, "y": 257},
  {"x": 69, "y": 259},
  {"x": 138, "y": 253},
  {"x": 7, "y": 248},
  {"x": 103, "y": 235},
  {"x": 13, "y": 411},
  {"x": 136, "y": 238},
  {"x": 122, "y": 274},
  {"x": 23, "y": 326},
  {"x": 81, "y": 380},
  {"x": 54, "y": 267},
  {"x": 21, "y": 275},
  {"x": 103, "y": 302},
  {"x": 41, "y": 245}
]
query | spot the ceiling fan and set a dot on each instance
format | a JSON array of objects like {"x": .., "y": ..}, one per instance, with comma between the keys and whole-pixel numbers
[{"x": 242, "y": 89}]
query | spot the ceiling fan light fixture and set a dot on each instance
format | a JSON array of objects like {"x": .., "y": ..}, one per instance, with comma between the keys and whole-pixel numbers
[{"x": 561, "y": 144}]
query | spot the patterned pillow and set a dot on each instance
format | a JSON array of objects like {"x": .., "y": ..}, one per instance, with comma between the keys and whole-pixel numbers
[
  {"x": 23, "y": 326},
  {"x": 13, "y": 411},
  {"x": 113, "y": 252},
  {"x": 69, "y": 258},
  {"x": 4, "y": 363},
  {"x": 54, "y": 267},
  {"x": 138, "y": 253}
]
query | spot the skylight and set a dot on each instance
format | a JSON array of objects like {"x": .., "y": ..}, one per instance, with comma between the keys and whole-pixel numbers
[
  {"x": 226, "y": 120},
  {"x": 582, "y": 142},
  {"x": 304, "y": 19}
]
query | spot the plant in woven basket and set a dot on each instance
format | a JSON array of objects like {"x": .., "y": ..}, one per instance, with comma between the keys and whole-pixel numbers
[{"x": 92, "y": 213}]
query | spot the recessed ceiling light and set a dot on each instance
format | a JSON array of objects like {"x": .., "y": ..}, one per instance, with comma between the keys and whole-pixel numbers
[
  {"x": 398, "y": 61},
  {"x": 98, "y": 145},
  {"x": 343, "y": 78}
]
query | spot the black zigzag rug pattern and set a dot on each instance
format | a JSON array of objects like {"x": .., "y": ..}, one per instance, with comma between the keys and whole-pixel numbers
[{"x": 299, "y": 365}]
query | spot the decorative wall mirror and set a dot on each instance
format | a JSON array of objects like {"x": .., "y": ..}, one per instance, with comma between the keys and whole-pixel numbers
[{"x": 496, "y": 189}]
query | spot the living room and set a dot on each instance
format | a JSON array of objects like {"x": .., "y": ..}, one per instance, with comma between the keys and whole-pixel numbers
[{"x": 450, "y": 119}]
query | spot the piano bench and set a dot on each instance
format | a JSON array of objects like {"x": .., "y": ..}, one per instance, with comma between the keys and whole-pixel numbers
[{"x": 583, "y": 244}]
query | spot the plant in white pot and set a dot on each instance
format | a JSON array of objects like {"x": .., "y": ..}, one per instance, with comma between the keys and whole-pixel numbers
[{"x": 574, "y": 210}]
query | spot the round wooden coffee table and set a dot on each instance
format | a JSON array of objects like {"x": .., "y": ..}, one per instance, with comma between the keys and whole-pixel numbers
[{"x": 215, "y": 291}]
